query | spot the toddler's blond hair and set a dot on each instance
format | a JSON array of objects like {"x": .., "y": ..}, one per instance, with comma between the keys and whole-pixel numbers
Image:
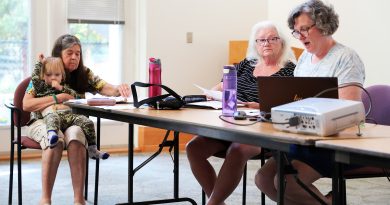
[{"x": 52, "y": 64}]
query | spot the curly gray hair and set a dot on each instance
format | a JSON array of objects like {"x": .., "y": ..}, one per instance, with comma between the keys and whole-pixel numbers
[{"x": 324, "y": 16}]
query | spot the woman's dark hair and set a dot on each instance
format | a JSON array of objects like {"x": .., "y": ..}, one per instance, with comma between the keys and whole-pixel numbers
[
  {"x": 324, "y": 16},
  {"x": 78, "y": 78}
]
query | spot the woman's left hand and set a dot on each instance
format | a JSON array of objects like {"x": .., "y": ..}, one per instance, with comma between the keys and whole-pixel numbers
[{"x": 124, "y": 90}]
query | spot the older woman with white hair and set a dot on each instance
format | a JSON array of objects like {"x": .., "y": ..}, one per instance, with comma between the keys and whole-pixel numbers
[{"x": 268, "y": 55}]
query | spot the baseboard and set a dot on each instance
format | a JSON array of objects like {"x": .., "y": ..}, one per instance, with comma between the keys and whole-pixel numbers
[
  {"x": 37, "y": 154},
  {"x": 149, "y": 139}
]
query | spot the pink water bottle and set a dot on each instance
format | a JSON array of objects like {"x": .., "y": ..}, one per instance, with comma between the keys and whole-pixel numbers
[{"x": 154, "y": 76}]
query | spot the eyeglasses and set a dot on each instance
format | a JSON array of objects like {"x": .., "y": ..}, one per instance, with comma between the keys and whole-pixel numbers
[
  {"x": 304, "y": 32},
  {"x": 263, "y": 41}
]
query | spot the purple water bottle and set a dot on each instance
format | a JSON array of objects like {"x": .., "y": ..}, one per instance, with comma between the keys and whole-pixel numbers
[
  {"x": 154, "y": 76},
  {"x": 229, "y": 93}
]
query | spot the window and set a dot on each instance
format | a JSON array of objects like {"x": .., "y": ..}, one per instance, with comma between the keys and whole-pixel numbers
[
  {"x": 102, "y": 49},
  {"x": 99, "y": 28},
  {"x": 14, "y": 47}
]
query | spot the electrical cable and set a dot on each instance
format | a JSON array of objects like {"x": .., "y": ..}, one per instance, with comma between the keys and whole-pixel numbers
[
  {"x": 240, "y": 124},
  {"x": 346, "y": 85}
]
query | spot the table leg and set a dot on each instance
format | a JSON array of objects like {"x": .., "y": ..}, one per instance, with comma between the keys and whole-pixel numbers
[
  {"x": 176, "y": 165},
  {"x": 95, "y": 200},
  {"x": 281, "y": 181},
  {"x": 337, "y": 184},
  {"x": 130, "y": 164}
]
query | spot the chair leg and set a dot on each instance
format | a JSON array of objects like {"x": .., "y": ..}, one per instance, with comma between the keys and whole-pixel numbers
[
  {"x": 344, "y": 191},
  {"x": 19, "y": 174},
  {"x": 203, "y": 197},
  {"x": 95, "y": 198},
  {"x": 262, "y": 158},
  {"x": 86, "y": 178},
  {"x": 244, "y": 186},
  {"x": 11, "y": 172}
]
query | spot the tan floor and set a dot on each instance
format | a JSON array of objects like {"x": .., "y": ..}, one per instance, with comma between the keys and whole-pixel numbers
[{"x": 155, "y": 182}]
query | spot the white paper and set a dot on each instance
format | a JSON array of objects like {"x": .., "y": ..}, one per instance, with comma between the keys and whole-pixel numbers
[
  {"x": 214, "y": 94},
  {"x": 117, "y": 107},
  {"x": 121, "y": 99},
  {"x": 208, "y": 104},
  {"x": 118, "y": 99},
  {"x": 78, "y": 101}
]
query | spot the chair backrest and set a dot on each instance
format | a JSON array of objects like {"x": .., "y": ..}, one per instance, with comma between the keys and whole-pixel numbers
[
  {"x": 380, "y": 107},
  {"x": 238, "y": 48},
  {"x": 18, "y": 102}
]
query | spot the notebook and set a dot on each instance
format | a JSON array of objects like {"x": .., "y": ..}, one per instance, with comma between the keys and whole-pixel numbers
[{"x": 274, "y": 91}]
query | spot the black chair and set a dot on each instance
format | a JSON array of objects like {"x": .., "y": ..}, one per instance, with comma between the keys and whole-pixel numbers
[
  {"x": 262, "y": 156},
  {"x": 19, "y": 119}
]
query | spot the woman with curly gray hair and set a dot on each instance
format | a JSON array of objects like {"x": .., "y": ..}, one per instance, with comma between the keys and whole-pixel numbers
[{"x": 314, "y": 23}]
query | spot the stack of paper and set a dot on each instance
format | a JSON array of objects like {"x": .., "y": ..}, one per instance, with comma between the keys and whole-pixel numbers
[
  {"x": 206, "y": 104},
  {"x": 214, "y": 94},
  {"x": 215, "y": 103}
]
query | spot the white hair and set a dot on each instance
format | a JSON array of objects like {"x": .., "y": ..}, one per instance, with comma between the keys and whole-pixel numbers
[{"x": 253, "y": 54}]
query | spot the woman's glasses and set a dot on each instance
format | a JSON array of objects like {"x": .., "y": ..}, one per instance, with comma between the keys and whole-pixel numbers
[
  {"x": 263, "y": 41},
  {"x": 303, "y": 32}
]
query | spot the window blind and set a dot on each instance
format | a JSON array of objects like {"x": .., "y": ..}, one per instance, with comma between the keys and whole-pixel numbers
[{"x": 96, "y": 12}]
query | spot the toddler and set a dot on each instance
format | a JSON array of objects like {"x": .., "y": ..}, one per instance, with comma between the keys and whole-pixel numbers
[{"x": 48, "y": 82}]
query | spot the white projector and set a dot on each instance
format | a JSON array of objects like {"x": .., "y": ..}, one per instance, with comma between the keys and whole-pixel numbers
[{"x": 319, "y": 116}]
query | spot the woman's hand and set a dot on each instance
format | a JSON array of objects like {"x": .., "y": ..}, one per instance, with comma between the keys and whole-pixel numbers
[
  {"x": 217, "y": 87},
  {"x": 124, "y": 90},
  {"x": 62, "y": 97},
  {"x": 119, "y": 90},
  {"x": 254, "y": 105}
]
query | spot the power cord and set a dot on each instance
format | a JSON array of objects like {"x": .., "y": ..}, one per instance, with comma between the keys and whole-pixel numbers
[
  {"x": 222, "y": 117},
  {"x": 346, "y": 85},
  {"x": 293, "y": 121}
]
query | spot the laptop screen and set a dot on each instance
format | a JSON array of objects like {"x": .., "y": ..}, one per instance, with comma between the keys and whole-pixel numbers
[{"x": 274, "y": 91}]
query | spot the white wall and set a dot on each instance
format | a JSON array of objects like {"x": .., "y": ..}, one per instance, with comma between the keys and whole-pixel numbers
[
  {"x": 213, "y": 23},
  {"x": 363, "y": 27}
]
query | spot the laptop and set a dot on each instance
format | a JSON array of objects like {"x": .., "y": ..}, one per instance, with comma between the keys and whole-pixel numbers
[{"x": 274, "y": 91}]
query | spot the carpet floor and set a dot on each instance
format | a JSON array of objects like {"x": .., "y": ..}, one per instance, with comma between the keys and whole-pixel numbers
[{"x": 155, "y": 181}]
